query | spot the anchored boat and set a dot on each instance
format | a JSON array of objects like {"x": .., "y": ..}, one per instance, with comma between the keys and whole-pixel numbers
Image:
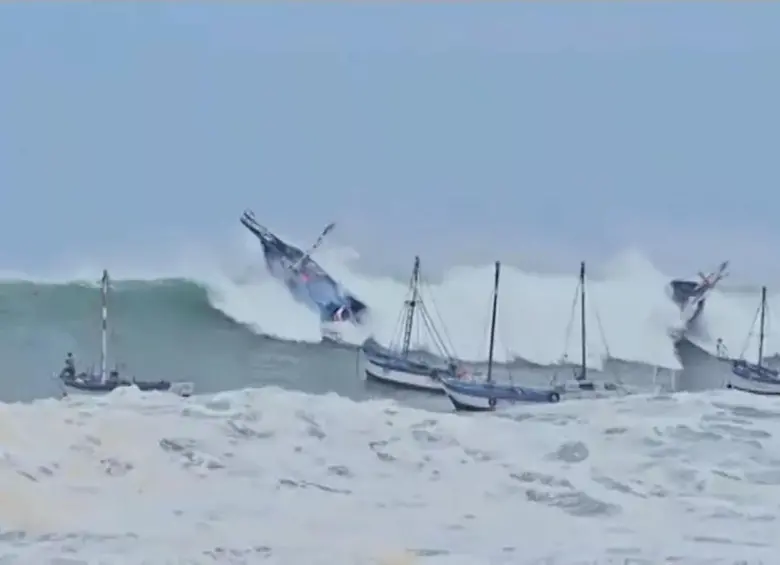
[
  {"x": 473, "y": 394},
  {"x": 396, "y": 364},
  {"x": 105, "y": 380},
  {"x": 580, "y": 385},
  {"x": 756, "y": 378},
  {"x": 306, "y": 280}
]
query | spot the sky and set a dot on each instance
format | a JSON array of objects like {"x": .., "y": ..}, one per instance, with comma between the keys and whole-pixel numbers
[{"x": 537, "y": 133}]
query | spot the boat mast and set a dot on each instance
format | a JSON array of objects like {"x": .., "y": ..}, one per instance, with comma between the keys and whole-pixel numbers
[
  {"x": 583, "y": 346},
  {"x": 761, "y": 334},
  {"x": 104, "y": 328},
  {"x": 411, "y": 305},
  {"x": 493, "y": 323}
]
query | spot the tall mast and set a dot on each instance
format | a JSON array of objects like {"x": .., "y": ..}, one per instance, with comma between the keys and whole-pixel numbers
[
  {"x": 583, "y": 346},
  {"x": 104, "y": 328},
  {"x": 411, "y": 304},
  {"x": 761, "y": 334},
  {"x": 493, "y": 323}
]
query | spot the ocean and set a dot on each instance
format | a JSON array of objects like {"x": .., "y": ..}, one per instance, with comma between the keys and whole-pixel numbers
[{"x": 285, "y": 455}]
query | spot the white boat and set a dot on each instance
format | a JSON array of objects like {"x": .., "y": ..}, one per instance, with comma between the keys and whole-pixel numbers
[
  {"x": 755, "y": 378},
  {"x": 397, "y": 365}
]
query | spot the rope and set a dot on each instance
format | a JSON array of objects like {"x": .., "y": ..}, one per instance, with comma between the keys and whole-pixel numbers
[{"x": 751, "y": 333}]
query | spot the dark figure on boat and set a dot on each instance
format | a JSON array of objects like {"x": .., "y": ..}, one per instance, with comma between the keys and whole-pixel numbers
[{"x": 69, "y": 371}]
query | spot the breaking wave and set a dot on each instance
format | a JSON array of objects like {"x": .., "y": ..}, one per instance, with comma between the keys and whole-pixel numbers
[{"x": 629, "y": 313}]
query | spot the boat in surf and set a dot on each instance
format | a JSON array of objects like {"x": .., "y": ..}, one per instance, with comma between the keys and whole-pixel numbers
[
  {"x": 580, "y": 385},
  {"x": 472, "y": 393},
  {"x": 475, "y": 396},
  {"x": 397, "y": 364},
  {"x": 104, "y": 380},
  {"x": 690, "y": 296},
  {"x": 756, "y": 377},
  {"x": 308, "y": 283}
]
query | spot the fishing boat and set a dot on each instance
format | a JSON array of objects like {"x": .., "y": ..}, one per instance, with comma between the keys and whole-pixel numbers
[
  {"x": 580, "y": 385},
  {"x": 308, "y": 283},
  {"x": 756, "y": 378},
  {"x": 396, "y": 364},
  {"x": 690, "y": 296},
  {"x": 472, "y": 393},
  {"x": 105, "y": 380}
]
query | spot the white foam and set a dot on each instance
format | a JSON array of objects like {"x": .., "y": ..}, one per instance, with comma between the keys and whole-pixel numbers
[{"x": 325, "y": 480}]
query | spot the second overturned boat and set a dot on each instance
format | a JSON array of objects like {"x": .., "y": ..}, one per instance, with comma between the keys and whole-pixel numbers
[
  {"x": 395, "y": 365},
  {"x": 107, "y": 381},
  {"x": 755, "y": 378},
  {"x": 690, "y": 296},
  {"x": 306, "y": 280}
]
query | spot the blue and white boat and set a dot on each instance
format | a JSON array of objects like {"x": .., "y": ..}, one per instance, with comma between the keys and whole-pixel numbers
[
  {"x": 398, "y": 365},
  {"x": 307, "y": 281},
  {"x": 755, "y": 378},
  {"x": 473, "y": 394},
  {"x": 690, "y": 296},
  {"x": 104, "y": 380}
]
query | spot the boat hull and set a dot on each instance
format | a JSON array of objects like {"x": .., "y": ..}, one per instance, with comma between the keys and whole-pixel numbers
[
  {"x": 384, "y": 372},
  {"x": 470, "y": 396},
  {"x": 745, "y": 378},
  {"x": 94, "y": 385},
  {"x": 308, "y": 283}
]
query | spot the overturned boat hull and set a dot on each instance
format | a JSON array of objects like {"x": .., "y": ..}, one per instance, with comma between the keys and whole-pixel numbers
[{"x": 306, "y": 280}]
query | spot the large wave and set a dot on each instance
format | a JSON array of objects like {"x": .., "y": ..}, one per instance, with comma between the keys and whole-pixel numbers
[{"x": 629, "y": 303}]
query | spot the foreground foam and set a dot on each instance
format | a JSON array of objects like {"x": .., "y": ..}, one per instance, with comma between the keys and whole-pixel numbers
[{"x": 290, "y": 478}]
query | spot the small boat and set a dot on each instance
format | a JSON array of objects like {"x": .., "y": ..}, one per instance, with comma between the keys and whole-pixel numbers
[
  {"x": 580, "y": 385},
  {"x": 107, "y": 381},
  {"x": 473, "y": 394},
  {"x": 306, "y": 280},
  {"x": 395, "y": 365},
  {"x": 756, "y": 378},
  {"x": 690, "y": 296}
]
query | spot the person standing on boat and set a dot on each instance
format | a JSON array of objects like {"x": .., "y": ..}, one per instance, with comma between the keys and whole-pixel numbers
[
  {"x": 70, "y": 366},
  {"x": 720, "y": 349}
]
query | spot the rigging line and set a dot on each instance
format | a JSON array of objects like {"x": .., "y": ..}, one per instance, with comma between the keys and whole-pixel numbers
[
  {"x": 435, "y": 337},
  {"x": 751, "y": 333},
  {"x": 449, "y": 343}
]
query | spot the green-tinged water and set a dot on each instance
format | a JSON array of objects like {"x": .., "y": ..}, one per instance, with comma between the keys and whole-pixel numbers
[{"x": 168, "y": 329}]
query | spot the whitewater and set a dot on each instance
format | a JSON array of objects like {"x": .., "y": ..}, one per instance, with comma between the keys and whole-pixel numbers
[
  {"x": 272, "y": 476},
  {"x": 629, "y": 313}
]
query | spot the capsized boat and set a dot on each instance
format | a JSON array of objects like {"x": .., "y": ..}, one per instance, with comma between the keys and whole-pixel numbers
[
  {"x": 107, "y": 381},
  {"x": 397, "y": 364},
  {"x": 756, "y": 378},
  {"x": 471, "y": 393},
  {"x": 581, "y": 385},
  {"x": 690, "y": 296},
  {"x": 306, "y": 280}
]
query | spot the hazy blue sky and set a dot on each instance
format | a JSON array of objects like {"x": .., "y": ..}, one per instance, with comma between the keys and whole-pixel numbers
[{"x": 529, "y": 131}]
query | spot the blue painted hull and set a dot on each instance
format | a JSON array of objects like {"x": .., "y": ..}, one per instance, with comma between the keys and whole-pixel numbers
[
  {"x": 683, "y": 291},
  {"x": 474, "y": 396},
  {"x": 308, "y": 283}
]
